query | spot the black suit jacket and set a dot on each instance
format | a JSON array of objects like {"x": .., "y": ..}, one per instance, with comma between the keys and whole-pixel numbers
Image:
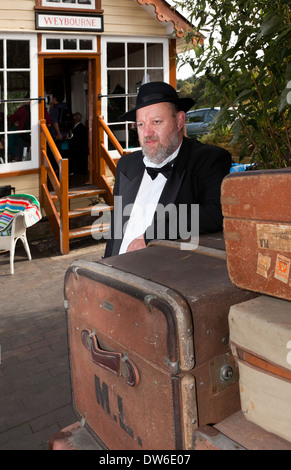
[
  {"x": 78, "y": 145},
  {"x": 196, "y": 179}
]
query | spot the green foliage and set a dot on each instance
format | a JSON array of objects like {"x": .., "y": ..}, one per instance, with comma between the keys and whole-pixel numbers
[
  {"x": 195, "y": 88},
  {"x": 246, "y": 59}
]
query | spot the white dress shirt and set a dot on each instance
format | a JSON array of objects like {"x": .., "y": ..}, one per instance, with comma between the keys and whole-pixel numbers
[{"x": 145, "y": 203}]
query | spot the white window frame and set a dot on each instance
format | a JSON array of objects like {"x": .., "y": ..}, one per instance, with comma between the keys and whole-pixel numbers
[
  {"x": 69, "y": 36},
  {"x": 72, "y": 6},
  {"x": 104, "y": 82},
  {"x": 34, "y": 162}
]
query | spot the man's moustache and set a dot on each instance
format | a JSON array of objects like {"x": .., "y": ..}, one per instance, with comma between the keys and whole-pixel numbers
[{"x": 150, "y": 139}]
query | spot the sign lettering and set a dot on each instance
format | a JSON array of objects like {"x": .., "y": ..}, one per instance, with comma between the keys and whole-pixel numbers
[
  {"x": 102, "y": 397},
  {"x": 69, "y": 22},
  {"x": 102, "y": 394}
]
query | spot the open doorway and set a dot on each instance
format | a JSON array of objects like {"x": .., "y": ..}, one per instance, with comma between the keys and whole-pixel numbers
[{"x": 66, "y": 81}]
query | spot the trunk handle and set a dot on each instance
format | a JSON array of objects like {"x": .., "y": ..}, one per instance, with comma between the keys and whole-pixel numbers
[{"x": 115, "y": 362}]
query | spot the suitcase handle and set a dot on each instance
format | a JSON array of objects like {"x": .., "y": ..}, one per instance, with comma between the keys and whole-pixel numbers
[{"x": 114, "y": 362}]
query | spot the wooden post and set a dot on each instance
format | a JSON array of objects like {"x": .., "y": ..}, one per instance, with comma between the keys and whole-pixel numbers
[
  {"x": 43, "y": 172},
  {"x": 172, "y": 62},
  {"x": 64, "y": 207}
]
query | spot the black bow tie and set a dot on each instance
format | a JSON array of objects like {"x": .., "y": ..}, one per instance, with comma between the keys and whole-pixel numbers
[{"x": 165, "y": 170}]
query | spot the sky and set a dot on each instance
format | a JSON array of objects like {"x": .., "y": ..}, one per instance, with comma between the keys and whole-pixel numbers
[{"x": 184, "y": 72}]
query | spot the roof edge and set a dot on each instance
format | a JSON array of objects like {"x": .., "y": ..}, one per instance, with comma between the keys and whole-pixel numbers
[{"x": 164, "y": 12}]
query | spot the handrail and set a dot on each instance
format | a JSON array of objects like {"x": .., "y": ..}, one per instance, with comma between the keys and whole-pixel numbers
[
  {"x": 112, "y": 137},
  {"x": 105, "y": 157},
  {"x": 59, "y": 220},
  {"x": 60, "y": 183},
  {"x": 50, "y": 141}
]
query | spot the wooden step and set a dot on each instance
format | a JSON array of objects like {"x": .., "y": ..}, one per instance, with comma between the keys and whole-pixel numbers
[
  {"x": 90, "y": 210},
  {"x": 89, "y": 230},
  {"x": 85, "y": 191}
]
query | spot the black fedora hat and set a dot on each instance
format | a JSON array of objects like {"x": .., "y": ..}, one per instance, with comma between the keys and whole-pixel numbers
[{"x": 157, "y": 92}]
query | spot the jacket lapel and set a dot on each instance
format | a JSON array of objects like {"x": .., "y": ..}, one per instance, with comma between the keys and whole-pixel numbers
[
  {"x": 130, "y": 179},
  {"x": 174, "y": 181}
]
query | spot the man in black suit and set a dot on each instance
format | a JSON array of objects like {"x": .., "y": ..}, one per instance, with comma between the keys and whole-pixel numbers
[
  {"x": 78, "y": 146},
  {"x": 171, "y": 171}
]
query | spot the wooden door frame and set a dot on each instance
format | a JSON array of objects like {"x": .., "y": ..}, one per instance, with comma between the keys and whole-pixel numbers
[{"x": 94, "y": 103}]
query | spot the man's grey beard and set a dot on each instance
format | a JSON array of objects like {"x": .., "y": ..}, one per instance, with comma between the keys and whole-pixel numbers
[{"x": 163, "y": 152}]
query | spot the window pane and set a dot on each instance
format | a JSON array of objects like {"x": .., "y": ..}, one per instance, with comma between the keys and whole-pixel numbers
[
  {"x": 19, "y": 117},
  {"x": 19, "y": 147},
  {"x": 1, "y": 87},
  {"x": 86, "y": 45},
  {"x": 135, "y": 78},
  {"x": 155, "y": 55},
  {"x": 116, "y": 82},
  {"x": 17, "y": 54},
  {"x": 70, "y": 44},
  {"x": 133, "y": 138},
  {"x": 90, "y": 4},
  {"x": 131, "y": 102},
  {"x": 115, "y": 55},
  {"x": 133, "y": 64},
  {"x": 136, "y": 55},
  {"x": 116, "y": 107},
  {"x": 2, "y": 136},
  {"x": 18, "y": 85},
  {"x": 53, "y": 44},
  {"x": 2, "y": 148},
  {"x": 70, "y": 3},
  {"x": 120, "y": 134},
  {"x": 1, "y": 54},
  {"x": 1, "y": 119},
  {"x": 155, "y": 75}
]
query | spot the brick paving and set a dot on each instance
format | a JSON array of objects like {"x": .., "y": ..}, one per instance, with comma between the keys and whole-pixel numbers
[{"x": 35, "y": 395}]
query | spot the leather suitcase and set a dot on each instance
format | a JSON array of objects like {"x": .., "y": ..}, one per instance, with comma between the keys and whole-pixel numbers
[
  {"x": 73, "y": 437},
  {"x": 260, "y": 336},
  {"x": 237, "y": 433},
  {"x": 149, "y": 346},
  {"x": 257, "y": 229}
]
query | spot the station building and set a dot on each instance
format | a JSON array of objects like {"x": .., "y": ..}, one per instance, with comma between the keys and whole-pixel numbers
[{"x": 95, "y": 54}]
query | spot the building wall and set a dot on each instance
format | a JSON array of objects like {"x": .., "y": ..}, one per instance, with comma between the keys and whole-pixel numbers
[
  {"x": 121, "y": 17},
  {"x": 17, "y": 15},
  {"x": 23, "y": 184},
  {"x": 128, "y": 18}
]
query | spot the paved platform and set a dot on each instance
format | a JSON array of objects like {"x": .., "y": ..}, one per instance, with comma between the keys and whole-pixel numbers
[{"x": 35, "y": 395}]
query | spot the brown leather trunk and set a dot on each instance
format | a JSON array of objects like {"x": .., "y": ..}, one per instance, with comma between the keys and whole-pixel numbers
[
  {"x": 257, "y": 230},
  {"x": 148, "y": 338}
]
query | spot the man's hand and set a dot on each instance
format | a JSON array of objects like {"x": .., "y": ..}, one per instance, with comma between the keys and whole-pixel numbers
[{"x": 136, "y": 244}]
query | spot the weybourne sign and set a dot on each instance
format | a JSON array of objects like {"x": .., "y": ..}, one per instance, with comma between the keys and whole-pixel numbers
[{"x": 68, "y": 22}]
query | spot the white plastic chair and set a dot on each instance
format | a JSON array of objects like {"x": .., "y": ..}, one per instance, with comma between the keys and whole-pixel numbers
[{"x": 18, "y": 232}]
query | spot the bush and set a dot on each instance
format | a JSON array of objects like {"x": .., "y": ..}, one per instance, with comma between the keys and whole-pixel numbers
[{"x": 246, "y": 59}]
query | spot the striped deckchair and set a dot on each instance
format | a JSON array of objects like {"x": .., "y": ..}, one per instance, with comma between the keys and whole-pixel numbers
[{"x": 11, "y": 205}]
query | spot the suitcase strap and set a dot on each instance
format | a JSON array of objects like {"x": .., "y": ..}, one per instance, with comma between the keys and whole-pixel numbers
[
  {"x": 262, "y": 364},
  {"x": 114, "y": 362}
]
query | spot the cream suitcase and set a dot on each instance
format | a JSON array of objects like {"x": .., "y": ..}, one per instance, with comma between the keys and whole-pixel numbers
[{"x": 260, "y": 338}]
